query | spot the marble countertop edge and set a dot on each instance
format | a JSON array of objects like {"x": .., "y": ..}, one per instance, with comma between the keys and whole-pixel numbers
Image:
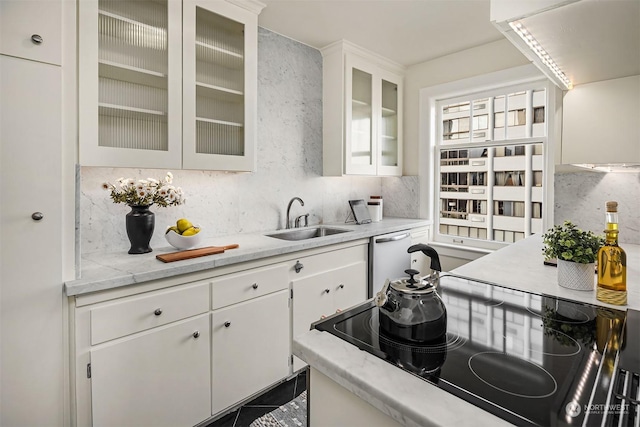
[
  {"x": 103, "y": 271},
  {"x": 396, "y": 393}
]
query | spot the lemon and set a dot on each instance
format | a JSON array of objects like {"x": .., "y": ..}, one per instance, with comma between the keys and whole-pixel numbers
[
  {"x": 172, "y": 228},
  {"x": 190, "y": 231},
  {"x": 183, "y": 224}
]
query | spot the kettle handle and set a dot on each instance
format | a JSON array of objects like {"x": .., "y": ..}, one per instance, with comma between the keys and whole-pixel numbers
[{"x": 428, "y": 251}]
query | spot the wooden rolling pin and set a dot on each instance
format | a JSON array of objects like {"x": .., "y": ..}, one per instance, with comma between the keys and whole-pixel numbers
[{"x": 194, "y": 253}]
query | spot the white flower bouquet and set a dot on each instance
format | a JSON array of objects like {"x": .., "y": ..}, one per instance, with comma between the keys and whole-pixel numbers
[{"x": 145, "y": 192}]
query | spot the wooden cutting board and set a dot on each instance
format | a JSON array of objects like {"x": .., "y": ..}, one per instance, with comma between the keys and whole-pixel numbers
[{"x": 194, "y": 253}]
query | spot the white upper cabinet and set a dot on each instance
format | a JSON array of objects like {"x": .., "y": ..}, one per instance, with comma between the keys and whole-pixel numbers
[
  {"x": 220, "y": 43},
  {"x": 168, "y": 84},
  {"x": 362, "y": 112},
  {"x": 32, "y": 30},
  {"x": 600, "y": 123},
  {"x": 129, "y": 84}
]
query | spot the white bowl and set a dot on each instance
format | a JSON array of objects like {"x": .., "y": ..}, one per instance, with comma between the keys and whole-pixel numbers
[{"x": 179, "y": 241}]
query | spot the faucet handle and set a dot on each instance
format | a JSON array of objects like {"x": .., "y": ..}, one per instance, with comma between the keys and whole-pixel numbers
[{"x": 306, "y": 220}]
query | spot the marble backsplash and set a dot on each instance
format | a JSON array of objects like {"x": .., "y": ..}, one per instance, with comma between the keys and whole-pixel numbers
[
  {"x": 581, "y": 196},
  {"x": 289, "y": 164}
]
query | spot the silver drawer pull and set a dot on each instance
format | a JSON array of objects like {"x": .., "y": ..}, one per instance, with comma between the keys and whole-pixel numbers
[
  {"x": 37, "y": 216},
  {"x": 158, "y": 312},
  {"x": 254, "y": 286},
  {"x": 37, "y": 39},
  {"x": 196, "y": 334},
  {"x": 341, "y": 286},
  {"x": 227, "y": 324},
  {"x": 326, "y": 291}
]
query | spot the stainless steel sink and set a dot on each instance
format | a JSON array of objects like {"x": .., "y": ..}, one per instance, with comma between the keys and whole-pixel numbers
[{"x": 306, "y": 233}]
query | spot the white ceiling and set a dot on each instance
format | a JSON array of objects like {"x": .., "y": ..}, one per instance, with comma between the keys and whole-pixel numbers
[{"x": 405, "y": 31}]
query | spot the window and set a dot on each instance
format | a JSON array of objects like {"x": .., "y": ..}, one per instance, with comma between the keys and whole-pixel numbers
[{"x": 491, "y": 150}]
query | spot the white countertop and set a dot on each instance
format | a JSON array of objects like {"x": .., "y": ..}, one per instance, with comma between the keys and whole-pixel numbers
[
  {"x": 414, "y": 402},
  {"x": 520, "y": 266},
  {"x": 102, "y": 271}
]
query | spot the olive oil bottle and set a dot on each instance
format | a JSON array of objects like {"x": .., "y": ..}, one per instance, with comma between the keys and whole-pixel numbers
[{"x": 612, "y": 262}]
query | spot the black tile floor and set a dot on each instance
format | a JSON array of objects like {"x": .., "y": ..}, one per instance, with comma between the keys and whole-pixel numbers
[{"x": 264, "y": 403}]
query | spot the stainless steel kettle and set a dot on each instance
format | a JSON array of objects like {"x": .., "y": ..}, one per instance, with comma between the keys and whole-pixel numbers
[{"x": 410, "y": 309}]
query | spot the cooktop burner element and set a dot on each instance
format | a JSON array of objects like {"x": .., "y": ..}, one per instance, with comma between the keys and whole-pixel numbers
[
  {"x": 521, "y": 356},
  {"x": 487, "y": 367}
]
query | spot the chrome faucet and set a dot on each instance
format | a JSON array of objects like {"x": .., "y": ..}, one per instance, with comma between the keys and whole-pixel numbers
[{"x": 289, "y": 209}]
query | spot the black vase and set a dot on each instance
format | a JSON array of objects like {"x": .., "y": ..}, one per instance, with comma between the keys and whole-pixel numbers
[{"x": 140, "y": 224}]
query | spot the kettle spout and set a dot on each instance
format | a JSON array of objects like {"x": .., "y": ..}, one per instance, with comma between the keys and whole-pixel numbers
[{"x": 381, "y": 296}]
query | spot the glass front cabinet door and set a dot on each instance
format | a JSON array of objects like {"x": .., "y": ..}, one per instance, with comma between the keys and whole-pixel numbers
[
  {"x": 167, "y": 84},
  {"x": 370, "y": 141},
  {"x": 220, "y": 43},
  {"x": 129, "y": 83}
]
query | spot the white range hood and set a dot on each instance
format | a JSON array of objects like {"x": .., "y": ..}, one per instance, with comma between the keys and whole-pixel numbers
[
  {"x": 590, "y": 40},
  {"x": 596, "y": 46}
]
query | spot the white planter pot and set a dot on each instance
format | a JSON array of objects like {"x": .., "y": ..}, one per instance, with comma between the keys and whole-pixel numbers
[{"x": 573, "y": 275}]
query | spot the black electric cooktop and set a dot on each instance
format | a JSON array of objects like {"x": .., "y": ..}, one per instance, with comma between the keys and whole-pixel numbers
[{"x": 529, "y": 359}]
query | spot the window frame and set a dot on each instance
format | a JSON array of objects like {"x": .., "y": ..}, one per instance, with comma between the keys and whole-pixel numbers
[{"x": 524, "y": 77}]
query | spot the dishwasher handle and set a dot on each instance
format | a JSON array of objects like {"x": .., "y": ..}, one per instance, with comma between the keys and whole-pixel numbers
[{"x": 393, "y": 238}]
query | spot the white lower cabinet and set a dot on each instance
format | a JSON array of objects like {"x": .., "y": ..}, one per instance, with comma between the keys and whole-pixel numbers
[
  {"x": 177, "y": 351},
  {"x": 330, "y": 404},
  {"x": 250, "y": 348},
  {"x": 157, "y": 378},
  {"x": 320, "y": 289}
]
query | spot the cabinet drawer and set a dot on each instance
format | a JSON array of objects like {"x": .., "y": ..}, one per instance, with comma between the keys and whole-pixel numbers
[
  {"x": 237, "y": 287},
  {"x": 315, "y": 264},
  {"x": 135, "y": 314}
]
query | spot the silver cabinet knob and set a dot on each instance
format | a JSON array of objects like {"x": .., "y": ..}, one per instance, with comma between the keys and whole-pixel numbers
[
  {"x": 158, "y": 312},
  {"x": 227, "y": 324},
  {"x": 254, "y": 286},
  {"x": 37, "y": 216},
  {"x": 37, "y": 39},
  {"x": 196, "y": 334},
  {"x": 299, "y": 266}
]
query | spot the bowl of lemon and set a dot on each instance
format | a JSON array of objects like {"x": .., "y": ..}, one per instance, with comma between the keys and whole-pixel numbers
[{"x": 183, "y": 235}]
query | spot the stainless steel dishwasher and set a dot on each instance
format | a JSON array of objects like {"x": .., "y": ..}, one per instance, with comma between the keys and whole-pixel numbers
[{"x": 388, "y": 258}]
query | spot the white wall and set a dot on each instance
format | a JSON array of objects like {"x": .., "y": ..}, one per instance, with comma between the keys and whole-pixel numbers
[{"x": 484, "y": 59}]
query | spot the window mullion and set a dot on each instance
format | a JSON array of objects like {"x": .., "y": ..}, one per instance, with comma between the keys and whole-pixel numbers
[
  {"x": 506, "y": 117},
  {"x": 490, "y": 183},
  {"x": 491, "y": 119},
  {"x": 529, "y": 113},
  {"x": 528, "y": 184}
]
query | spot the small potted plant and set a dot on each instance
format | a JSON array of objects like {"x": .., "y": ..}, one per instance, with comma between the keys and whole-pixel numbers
[{"x": 576, "y": 251}]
